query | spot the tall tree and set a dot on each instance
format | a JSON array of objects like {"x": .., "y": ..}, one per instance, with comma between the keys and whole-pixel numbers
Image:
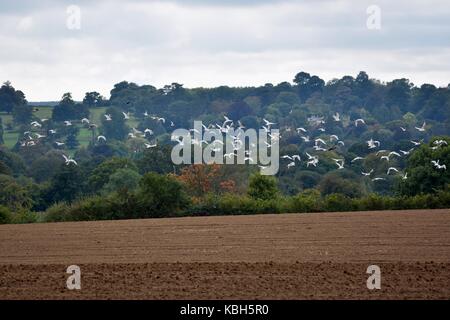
[{"x": 93, "y": 99}]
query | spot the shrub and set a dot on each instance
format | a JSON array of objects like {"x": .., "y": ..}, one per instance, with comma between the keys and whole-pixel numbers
[
  {"x": 159, "y": 195},
  {"x": 262, "y": 187},
  {"x": 24, "y": 216},
  {"x": 337, "y": 202},
  {"x": 5, "y": 215},
  {"x": 371, "y": 202},
  {"x": 57, "y": 213},
  {"x": 306, "y": 201}
]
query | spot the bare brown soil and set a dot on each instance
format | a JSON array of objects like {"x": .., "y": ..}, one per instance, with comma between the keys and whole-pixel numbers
[{"x": 290, "y": 256}]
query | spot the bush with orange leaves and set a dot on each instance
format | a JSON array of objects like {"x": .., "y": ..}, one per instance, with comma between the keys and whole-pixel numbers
[{"x": 201, "y": 179}]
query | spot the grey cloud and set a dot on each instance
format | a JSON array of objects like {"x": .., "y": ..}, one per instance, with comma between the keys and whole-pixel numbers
[{"x": 246, "y": 42}]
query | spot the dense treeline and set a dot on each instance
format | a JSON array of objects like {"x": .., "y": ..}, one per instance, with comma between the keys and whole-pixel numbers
[{"x": 125, "y": 170}]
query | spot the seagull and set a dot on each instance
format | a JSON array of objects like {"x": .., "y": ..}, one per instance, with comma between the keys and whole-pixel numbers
[
  {"x": 405, "y": 153},
  {"x": 391, "y": 169},
  {"x": 394, "y": 153},
  {"x": 131, "y": 135},
  {"x": 126, "y": 116},
  {"x": 246, "y": 158},
  {"x": 69, "y": 160},
  {"x": 67, "y": 123},
  {"x": 312, "y": 162},
  {"x": 403, "y": 129},
  {"x": 266, "y": 129},
  {"x": 227, "y": 120},
  {"x": 35, "y": 124},
  {"x": 108, "y": 117},
  {"x": 385, "y": 158},
  {"x": 163, "y": 120},
  {"x": 337, "y": 117},
  {"x": 101, "y": 138},
  {"x": 373, "y": 143},
  {"x": 317, "y": 148},
  {"x": 149, "y": 131},
  {"x": 366, "y": 174},
  {"x": 291, "y": 164},
  {"x": 301, "y": 129},
  {"x": 39, "y": 136},
  {"x": 359, "y": 121},
  {"x": 321, "y": 129},
  {"x": 85, "y": 120},
  {"x": 287, "y": 157},
  {"x": 437, "y": 165},
  {"x": 306, "y": 139},
  {"x": 357, "y": 158},
  {"x": 416, "y": 143},
  {"x": 339, "y": 163},
  {"x": 333, "y": 136},
  {"x": 172, "y": 124},
  {"x": 59, "y": 144},
  {"x": 440, "y": 142},
  {"x": 268, "y": 123},
  {"x": 229, "y": 155},
  {"x": 52, "y": 131},
  {"x": 381, "y": 151},
  {"x": 319, "y": 140},
  {"x": 422, "y": 128},
  {"x": 378, "y": 179},
  {"x": 310, "y": 156},
  {"x": 405, "y": 176},
  {"x": 147, "y": 145}
]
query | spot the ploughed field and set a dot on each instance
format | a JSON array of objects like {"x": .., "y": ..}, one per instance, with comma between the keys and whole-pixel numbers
[{"x": 285, "y": 256}]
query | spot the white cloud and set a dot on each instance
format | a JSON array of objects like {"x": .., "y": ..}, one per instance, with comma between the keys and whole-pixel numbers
[{"x": 199, "y": 44}]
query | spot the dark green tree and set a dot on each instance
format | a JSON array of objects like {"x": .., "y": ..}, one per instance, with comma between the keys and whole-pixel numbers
[
  {"x": 93, "y": 99},
  {"x": 160, "y": 195},
  {"x": 423, "y": 175},
  {"x": 263, "y": 187},
  {"x": 116, "y": 128}
]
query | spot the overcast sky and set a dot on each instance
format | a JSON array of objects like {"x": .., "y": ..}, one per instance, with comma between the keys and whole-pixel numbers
[{"x": 211, "y": 43}]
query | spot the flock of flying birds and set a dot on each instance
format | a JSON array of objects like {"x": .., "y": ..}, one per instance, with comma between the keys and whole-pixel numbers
[
  {"x": 33, "y": 138},
  {"x": 320, "y": 143},
  {"x": 322, "y": 146}
]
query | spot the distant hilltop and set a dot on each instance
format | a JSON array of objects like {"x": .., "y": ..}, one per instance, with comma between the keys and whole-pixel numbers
[{"x": 43, "y": 103}]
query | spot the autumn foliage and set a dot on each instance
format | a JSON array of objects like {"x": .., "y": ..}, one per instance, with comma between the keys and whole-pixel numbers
[{"x": 201, "y": 179}]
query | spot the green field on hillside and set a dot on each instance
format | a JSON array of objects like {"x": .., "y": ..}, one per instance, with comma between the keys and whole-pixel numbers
[{"x": 84, "y": 137}]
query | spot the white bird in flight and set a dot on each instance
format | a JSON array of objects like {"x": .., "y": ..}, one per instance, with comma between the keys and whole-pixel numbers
[
  {"x": 268, "y": 123},
  {"x": 36, "y": 124},
  {"x": 391, "y": 169},
  {"x": 422, "y": 128},
  {"x": 69, "y": 160},
  {"x": 337, "y": 117}
]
